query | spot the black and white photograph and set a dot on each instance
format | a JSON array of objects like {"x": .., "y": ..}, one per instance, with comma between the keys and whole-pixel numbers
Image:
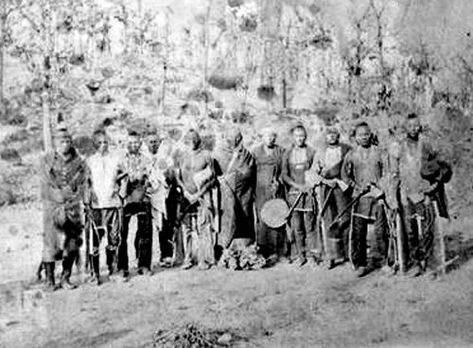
[{"x": 236, "y": 173}]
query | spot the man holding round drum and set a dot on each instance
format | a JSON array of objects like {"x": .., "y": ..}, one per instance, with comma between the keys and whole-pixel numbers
[{"x": 268, "y": 157}]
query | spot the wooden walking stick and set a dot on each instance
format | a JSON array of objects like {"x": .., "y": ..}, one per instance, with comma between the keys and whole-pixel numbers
[
  {"x": 400, "y": 243},
  {"x": 444, "y": 263},
  {"x": 335, "y": 222},
  {"x": 392, "y": 247},
  {"x": 87, "y": 239},
  {"x": 320, "y": 217},
  {"x": 347, "y": 208}
]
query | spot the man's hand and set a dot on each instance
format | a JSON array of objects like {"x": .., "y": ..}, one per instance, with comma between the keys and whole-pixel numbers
[
  {"x": 274, "y": 186},
  {"x": 330, "y": 182},
  {"x": 304, "y": 188},
  {"x": 430, "y": 189},
  {"x": 67, "y": 192},
  {"x": 192, "y": 198}
]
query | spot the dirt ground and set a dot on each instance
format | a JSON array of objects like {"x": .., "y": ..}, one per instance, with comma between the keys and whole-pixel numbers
[{"x": 279, "y": 306}]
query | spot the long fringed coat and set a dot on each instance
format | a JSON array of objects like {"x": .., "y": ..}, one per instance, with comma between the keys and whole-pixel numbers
[{"x": 62, "y": 186}]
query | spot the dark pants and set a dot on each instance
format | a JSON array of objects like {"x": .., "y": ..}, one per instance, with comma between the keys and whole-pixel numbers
[
  {"x": 335, "y": 238},
  {"x": 420, "y": 244},
  {"x": 165, "y": 239},
  {"x": 305, "y": 235},
  {"x": 271, "y": 240},
  {"x": 107, "y": 222},
  {"x": 360, "y": 241},
  {"x": 143, "y": 239}
]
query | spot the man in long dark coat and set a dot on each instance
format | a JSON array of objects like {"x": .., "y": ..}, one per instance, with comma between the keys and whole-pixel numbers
[
  {"x": 237, "y": 176},
  {"x": 62, "y": 175},
  {"x": 268, "y": 156}
]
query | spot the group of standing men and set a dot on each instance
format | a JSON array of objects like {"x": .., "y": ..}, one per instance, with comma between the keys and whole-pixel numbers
[{"x": 343, "y": 197}]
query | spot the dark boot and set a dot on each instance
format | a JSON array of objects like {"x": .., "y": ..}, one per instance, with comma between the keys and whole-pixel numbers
[
  {"x": 49, "y": 270},
  {"x": 39, "y": 271},
  {"x": 300, "y": 250},
  {"x": 111, "y": 256},
  {"x": 96, "y": 267},
  {"x": 67, "y": 263}
]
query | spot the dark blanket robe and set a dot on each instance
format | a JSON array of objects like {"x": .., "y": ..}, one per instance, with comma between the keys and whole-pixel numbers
[
  {"x": 62, "y": 185},
  {"x": 436, "y": 171},
  {"x": 237, "y": 178},
  {"x": 268, "y": 186}
]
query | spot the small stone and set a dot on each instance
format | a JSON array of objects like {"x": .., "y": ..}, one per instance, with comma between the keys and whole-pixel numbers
[
  {"x": 13, "y": 230},
  {"x": 225, "y": 339},
  {"x": 38, "y": 295}
]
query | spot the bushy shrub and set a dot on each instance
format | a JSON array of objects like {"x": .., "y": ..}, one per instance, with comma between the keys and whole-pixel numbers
[{"x": 10, "y": 155}]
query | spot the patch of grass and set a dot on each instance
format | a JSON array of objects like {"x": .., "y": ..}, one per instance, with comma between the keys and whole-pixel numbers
[{"x": 18, "y": 184}]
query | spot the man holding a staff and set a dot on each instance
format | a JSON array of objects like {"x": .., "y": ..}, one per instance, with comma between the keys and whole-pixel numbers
[
  {"x": 62, "y": 175},
  {"x": 420, "y": 177},
  {"x": 104, "y": 213},
  {"x": 332, "y": 197},
  {"x": 295, "y": 164},
  {"x": 363, "y": 170}
]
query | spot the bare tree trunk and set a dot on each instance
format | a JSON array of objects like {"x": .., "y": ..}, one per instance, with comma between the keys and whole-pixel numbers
[
  {"x": 46, "y": 94},
  {"x": 47, "y": 134},
  {"x": 284, "y": 93},
  {"x": 2, "y": 71},
  {"x": 165, "y": 66},
  {"x": 206, "y": 53},
  {"x": 3, "y": 19}
]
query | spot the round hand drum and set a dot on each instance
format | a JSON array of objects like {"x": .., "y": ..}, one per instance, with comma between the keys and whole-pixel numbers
[{"x": 274, "y": 213}]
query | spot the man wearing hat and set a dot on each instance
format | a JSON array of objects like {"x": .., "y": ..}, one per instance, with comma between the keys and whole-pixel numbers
[
  {"x": 420, "y": 178},
  {"x": 332, "y": 196},
  {"x": 62, "y": 175}
]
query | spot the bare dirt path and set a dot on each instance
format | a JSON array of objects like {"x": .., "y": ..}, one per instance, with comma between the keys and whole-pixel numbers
[{"x": 276, "y": 307}]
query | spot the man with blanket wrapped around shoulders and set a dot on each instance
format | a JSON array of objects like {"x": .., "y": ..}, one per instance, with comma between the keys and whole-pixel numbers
[
  {"x": 236, "y": 168},
  {"x": 62, "y": 175}
]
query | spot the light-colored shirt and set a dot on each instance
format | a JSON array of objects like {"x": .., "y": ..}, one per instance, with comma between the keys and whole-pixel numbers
[
  {"x": 104, "y": 170},
  {"x": 333, "y": 156}
]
